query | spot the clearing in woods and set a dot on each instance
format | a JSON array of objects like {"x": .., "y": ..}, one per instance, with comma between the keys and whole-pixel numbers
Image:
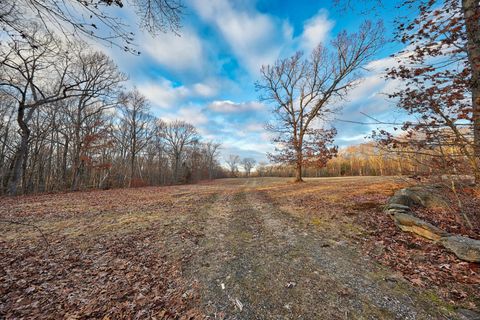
[{"x": 259, "y": 248}]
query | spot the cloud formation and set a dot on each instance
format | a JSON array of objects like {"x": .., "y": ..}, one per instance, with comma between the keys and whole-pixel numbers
[
  {"x": 183, "y": 52},
  {"x": 228, "y": 106},
  {"x": 316, "y": 30},
  {"x": 206, "y": 75},
  {"x": 254, "y": 38},
  {"x": 164, "y": 94}
]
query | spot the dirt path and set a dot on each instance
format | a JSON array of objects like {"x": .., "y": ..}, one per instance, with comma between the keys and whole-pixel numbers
[{"x": 258, "y": 262}]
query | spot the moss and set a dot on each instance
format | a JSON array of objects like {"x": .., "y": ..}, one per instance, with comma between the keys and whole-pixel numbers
[
  {"x": 317, "y": 221},
  {"x": 245, "y": 235},
  {"x": 427, "y": 296},
  {"x": 433, "y": 297}
]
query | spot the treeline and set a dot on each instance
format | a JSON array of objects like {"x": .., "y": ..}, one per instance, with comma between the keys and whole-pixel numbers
[
  {"x": 67, "y": 123},
  {"x": 374, "y": 159}
]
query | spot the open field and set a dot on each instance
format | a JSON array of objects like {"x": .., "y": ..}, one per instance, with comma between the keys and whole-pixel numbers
[{"x": 260, "y": 248}]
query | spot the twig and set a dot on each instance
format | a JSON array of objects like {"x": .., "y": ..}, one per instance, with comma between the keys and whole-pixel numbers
[
  {"x": 460, "y": 205},
  {"x": 28, "y": 225}
]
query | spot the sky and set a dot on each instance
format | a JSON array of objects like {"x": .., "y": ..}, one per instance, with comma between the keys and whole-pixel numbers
[{"x": 206, "y": 75}]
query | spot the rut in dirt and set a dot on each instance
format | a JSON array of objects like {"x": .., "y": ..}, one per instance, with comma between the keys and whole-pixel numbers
[{"x": 258, "y": 262}]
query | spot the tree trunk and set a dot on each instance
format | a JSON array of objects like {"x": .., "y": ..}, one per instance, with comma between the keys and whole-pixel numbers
[
  {"x": 19, "y": 159},
  {"x": 76, "y": 169},
  {"x": 471, "y": 11},
  {"x": 133, "y": 152},
  {"x": 298, "y": 173},
  {"x": 64, "y": 161},
  {"x": 298, "y": 168},
  {"x": 17, "y": 165},
  {"x": 175, "y": 169},
  {"x": 132, "y": 169}
]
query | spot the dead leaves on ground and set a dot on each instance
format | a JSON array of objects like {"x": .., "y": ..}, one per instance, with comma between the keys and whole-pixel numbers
[
  {"x": 117, "y": 277},
  {"x": 124, "y": 271},
  {"x": 422, "y": 262}
]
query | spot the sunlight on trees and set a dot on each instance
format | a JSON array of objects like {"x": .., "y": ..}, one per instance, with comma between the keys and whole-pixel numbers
[{"x": 304, "y": 91}]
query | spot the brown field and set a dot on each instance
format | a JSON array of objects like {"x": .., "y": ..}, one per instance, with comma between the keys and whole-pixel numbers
[{"x": 230, "y": 249}]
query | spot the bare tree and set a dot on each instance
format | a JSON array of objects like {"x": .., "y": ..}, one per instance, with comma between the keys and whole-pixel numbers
[
  {"x": 91, "y": 19},
  {"x": 35, "y": 76},
  {"x": 99, "y": 85},
  {"x": 178, "y": 135},
  {"x": 212, "y": 150},
  {"x": 7, "y": 113},
  {"x": 248, "y": 164},
  {"x": 303, "y": 91},
  {"x": 137, "y": 123},
  {"x": 233, "y": 161}
]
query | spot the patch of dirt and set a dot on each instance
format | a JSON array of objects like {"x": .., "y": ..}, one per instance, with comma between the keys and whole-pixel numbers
[{"x": 258, "y": 261}]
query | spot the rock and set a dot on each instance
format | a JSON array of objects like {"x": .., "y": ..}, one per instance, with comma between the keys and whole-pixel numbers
[
  {"x": 464, "y": 248},
  {"x": 239, "y": 305},
  {"x": 397, "y": 207},
  {"x": 395, "y": 277},
  {"x": 422, "y": 196},
  {"x": 410, "y": 223},
  {"x": 468, "y": 314},
  {"x": 394, "y": 211},
  {"x": 402, "y": 200}
]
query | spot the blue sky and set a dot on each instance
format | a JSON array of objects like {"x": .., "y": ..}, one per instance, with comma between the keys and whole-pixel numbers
[{"x": 206, "y": 75}]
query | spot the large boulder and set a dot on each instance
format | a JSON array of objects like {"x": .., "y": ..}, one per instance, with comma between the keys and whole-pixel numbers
[
  {"x": 428, "y": 197},
  {"x": 409, "y": 223},
  {"x": 399, "y": 208},
  {"x": 464, "y": 248}
]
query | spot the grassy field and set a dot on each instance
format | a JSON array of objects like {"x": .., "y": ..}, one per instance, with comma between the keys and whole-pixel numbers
[{"x": 259, "y": 248}]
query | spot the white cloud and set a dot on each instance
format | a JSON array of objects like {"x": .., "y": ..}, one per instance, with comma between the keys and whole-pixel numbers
[
  {"x": 182, "y": 52},
  {"x": 227, "y": 106},
  {"x": 315, "y": 31},
  {"x": 204, "y": 90},
  {"x": 191, "y": 114},
  {"x": 255, "y": 127},
  {"x": 367, "y": 87},
  {"x": 253, "y": 37},
  {"x": 164, "y": 94}
]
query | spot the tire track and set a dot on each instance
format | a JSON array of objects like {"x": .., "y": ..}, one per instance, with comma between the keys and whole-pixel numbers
[{"x": 258, "y": 262}]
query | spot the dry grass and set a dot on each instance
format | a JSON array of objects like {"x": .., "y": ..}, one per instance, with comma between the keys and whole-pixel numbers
[{"x": 159, "y": 251}]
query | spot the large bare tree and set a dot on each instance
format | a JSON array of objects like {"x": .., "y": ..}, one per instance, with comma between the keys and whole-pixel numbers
[
  {"x": 303, "y": 91},
  {"x": 233, "y": 161},
  {"x": 248, "y": 164},
  {"x": 34, "y": 76},
  {"x": 178, "y": 136},
  {"x": 211, "y": 150},
  {"x": 138, "y": 124},
  {"x": 100, "y": 83}
]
